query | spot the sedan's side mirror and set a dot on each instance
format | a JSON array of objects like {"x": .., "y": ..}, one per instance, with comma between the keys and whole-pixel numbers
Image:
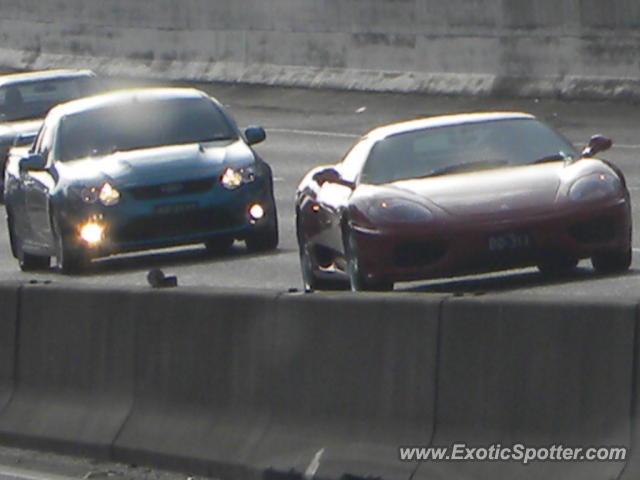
[
  {"x": 331, "y": 175},
  {"x": 597, "y": 144},
  {"x": 24, "y": 139},
  {"x": 34, "y": 161},
  {"x": 255, "y": 135}
]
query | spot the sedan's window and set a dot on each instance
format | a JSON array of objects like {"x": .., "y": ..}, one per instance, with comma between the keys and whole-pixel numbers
[
  {"x": 464, "y": 147},
  {"x": 143, "y": 124},
  {"x": 33, "y": 99}
]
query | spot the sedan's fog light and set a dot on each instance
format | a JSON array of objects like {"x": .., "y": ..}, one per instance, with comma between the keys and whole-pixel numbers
[
  {"x": 256, "y": 211},
  {"x": 92, "y": 233}
]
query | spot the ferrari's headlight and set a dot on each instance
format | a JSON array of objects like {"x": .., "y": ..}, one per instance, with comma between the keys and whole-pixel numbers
[
  {"x": 594, "y": 187},
  {"x": 233, "y": 178},
  {"x": 399, "y": 211},
  {"x": 109, "y": 195}
]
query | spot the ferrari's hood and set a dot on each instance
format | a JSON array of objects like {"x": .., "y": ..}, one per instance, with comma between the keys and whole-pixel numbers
[
  {"x": 490, "y": 191},
  {"x": 164, "y": 164}
]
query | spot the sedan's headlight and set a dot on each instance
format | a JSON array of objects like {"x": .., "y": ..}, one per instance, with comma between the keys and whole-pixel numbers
[
  {"x": 109, "y": 195},
  {"x": 398, "y": 211},
  {"x": 594, "y": 187},
  {"x": 233, "y": 178}
]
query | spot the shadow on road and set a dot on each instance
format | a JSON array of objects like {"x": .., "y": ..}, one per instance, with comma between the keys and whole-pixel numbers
[{"x": 512, "y": 281}]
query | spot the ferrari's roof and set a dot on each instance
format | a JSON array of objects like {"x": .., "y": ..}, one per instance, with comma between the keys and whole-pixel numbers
[
  {"x": 42, "y": 75},
  {"x": 122, "y": 97},
  {"x": 442, "y": 121}
]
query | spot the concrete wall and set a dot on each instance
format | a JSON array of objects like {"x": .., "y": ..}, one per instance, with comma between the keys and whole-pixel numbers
[
  {"x": 569, "y": 48},
  {"x": 265, "y": 385}
]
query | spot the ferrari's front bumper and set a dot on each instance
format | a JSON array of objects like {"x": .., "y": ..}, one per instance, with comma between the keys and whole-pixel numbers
[{"x": 459, "y": 247}]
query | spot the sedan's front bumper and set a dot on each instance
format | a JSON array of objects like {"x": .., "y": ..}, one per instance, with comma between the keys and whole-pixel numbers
[{"x": 140, "y": 222}]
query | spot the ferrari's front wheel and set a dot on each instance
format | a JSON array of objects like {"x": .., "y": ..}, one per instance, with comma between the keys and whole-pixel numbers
[
  {"x": 357, "y": 278},
  {"x": 612, "y": 262},
  {"x": 555, "y": 266},
  {"x": 309, "y": 278}
]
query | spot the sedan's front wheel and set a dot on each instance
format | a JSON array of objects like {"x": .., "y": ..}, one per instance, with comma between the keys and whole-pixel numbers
[
  {"x": 264, "y": 238},
  {"x": 71, "y": 258}
]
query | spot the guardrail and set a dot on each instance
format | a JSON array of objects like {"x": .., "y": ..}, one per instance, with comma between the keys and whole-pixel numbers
[{"x": 270, "y": 385}]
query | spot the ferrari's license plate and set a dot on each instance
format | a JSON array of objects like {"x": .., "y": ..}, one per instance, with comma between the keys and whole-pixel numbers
[
  {"x": 509, "y": 241},
  {"x": 174, "y": 208}
]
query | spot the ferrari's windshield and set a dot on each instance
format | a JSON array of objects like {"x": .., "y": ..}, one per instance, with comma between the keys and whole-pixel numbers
[
  {"x": 462, "y": 148},
  {"x": 143, "y": 124},
  {"x": 33, "y": 99}
]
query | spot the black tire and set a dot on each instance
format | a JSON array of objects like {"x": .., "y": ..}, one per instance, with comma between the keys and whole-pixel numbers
[
  {"x": 218, "y": 245},
  {"x": 265, "y": 238},
  {"x": 71, "y": 258},
  {"x": 612, "y": 262},
  {"x": 357, "y": 279},
  {"x": 310, "y": 280},
  {"x": 557, "y": 266},
  {"x": 26, "y": 261}
]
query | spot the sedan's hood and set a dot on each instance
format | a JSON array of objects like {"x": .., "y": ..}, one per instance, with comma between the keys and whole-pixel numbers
[
  {"x": 10, "y": 130},
  {"x": 492, "y": 191},
  {"x": 161, "y": 165}
]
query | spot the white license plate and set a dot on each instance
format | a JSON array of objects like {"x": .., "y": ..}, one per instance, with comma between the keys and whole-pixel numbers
[{"x": 509, "y": 241}]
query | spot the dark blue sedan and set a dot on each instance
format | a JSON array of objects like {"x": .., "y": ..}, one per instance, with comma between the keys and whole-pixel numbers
[{"x": 133, "y": 170}]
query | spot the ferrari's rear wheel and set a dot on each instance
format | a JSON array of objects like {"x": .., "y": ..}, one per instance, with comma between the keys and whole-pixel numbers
[
  {"x": 26, "y": 261},
  {"x": 612, "y": 262},
  {"x": 357, "y": 278},
  {"x": 555, "y": 266}
]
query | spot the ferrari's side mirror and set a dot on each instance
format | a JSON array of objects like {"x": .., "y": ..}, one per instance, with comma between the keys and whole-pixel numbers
[
  {"x": 597, "y": 144},
  {"x": 331, "y": 175},
  {"x": 34, "y": 161}
]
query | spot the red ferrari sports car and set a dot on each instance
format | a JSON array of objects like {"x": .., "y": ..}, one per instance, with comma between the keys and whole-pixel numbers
[{"x": 461, "y": 194}]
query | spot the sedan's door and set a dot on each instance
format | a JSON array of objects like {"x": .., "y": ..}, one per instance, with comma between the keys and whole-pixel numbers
[{"x": 37, "y": 186}]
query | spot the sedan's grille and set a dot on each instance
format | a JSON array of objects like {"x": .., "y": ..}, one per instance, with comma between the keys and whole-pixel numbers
[
  {"x": 175, "y": 225},
  {"x": 417, "y": 254},
  {"x": 172, "y": 189},
  {"x": 593, "y": 231}
]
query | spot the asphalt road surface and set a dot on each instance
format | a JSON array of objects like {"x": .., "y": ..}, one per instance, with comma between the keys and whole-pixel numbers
[{"x": 306, "y": 128}]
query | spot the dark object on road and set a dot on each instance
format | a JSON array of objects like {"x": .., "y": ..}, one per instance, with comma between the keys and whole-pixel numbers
[
  {"x": 157, "y": 279},
  {"x": 136, "y": 170},
  {"x": 461, "y": 194},
  {"x": 25, "y": 99}
]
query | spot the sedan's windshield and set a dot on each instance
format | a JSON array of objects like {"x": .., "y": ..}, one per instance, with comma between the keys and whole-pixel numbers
[
  {"x": 33, "y": 99},
  {"x": 463, "y": 148},
  {"x": 141, "y": 124}
]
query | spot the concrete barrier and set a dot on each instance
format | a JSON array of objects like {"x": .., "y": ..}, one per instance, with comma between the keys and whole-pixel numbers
[
  {"x": 577, "y": 48},
  {"x": 288, "y": 386},
  {"x": 540, "y": 373},
  {"x": 8, "y": 330},
  {"x": 354, "y": 378},
  {"x": 201, "y": 380},
  {"x": 73, "y": 373}
]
